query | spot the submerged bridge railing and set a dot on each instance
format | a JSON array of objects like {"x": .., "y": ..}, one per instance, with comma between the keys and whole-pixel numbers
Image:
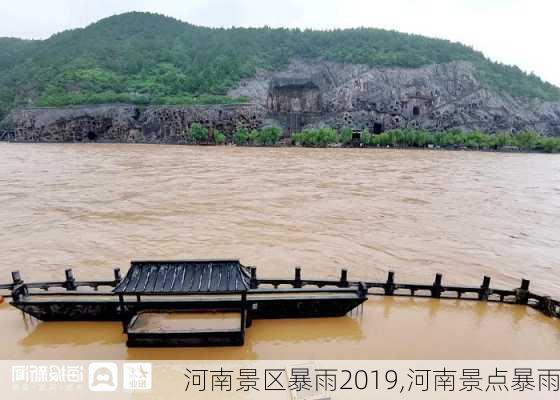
[
  {"x": 390, "y": 287},
  {"x": 437, "y": 290},
  {"x": 20, "y": 288}
]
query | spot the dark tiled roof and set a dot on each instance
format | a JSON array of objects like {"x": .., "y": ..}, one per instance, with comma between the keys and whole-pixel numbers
[{"x": 184, "y": 277}]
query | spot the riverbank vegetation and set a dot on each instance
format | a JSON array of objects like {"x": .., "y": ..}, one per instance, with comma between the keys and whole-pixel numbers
[
  {"x": 398, "y": 138},
  {"x": 145, "y": 58},
  {"x": 198, "y": 134},
  {"x": 526, "y": 141}
]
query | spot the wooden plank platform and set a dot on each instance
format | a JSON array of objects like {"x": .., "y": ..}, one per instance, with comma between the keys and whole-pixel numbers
[{"x": 176, "y": 328}]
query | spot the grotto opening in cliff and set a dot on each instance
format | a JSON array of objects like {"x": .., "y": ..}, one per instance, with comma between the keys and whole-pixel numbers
[{"x": 377, "y": 128}]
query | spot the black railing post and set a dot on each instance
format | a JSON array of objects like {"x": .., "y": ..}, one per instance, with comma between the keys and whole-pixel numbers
[
  {"x": 437, "y": 288},
  {"x": 484, "y": 289},
  {"x": 253, "y": 284},
  {"x": 546, "y": 306},
  {"x": 390, "y": 284},
  {"x": 19, "y": 290},
  {"x": 117, "y": 274},
  {"x": 343, "y": 278},
  {"x": 16, "y": 277},
  {"x": 70, "y": 283},
  {"x": 297, "y": 280},
  {"x": 522, "y": 294}
]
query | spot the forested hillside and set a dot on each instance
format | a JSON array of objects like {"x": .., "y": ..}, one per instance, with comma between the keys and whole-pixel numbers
[{"x": 147, "y": 58}]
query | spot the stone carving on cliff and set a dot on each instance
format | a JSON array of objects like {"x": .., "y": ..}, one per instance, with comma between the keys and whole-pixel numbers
[
  {"x": 436, "y": 97},
  {"x": 304, "y": 95},
  {"x": 127, "y": 123}
]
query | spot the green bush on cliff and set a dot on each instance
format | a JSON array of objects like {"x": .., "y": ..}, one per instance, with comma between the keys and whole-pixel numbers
[
  {"x": 219, "y": 137},
  {"x": 397, "y": 137},
  {"x": 366, "y": 137},
  {"x": 527, "y": 140},
  {"x": 345, "y": 136},
  {"x": 269, "y": 136},
  {"x": 241, "y": 137},
  {"x": 297, "y": 138},
  {"x": 315, "y": 137},
  {"x": 198, "y": 133},
  {"x": 327, "y": 136},
  {"x": 301, "y": 138},
  {"x": 404, "y": 138},
  {"x": 503, "y": 139},
  {"x": 310, "y": 137},
  {"x": 254, "y": 137},
  {"x": 454, "y": 138},
  {"x": 264, "y": 137},
  {"x": 550, "y": 145},
  {"x": 382, "y": 139}
]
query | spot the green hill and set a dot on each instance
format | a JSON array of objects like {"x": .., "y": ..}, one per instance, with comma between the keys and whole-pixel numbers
[{"x": 147, "y": 58}]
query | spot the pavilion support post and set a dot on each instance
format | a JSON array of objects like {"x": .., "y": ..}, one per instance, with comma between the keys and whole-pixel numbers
[
  {"x": 123, "y": 313},
  {"x": 243, "y": 307},
  {"x": 484, "y": 289},
  {"x": 254, "y": 284},
  {"x": 436, "y": 287},
  {"x": 297, "y": 280},
  {"x": 390, "y": 284},
  {"x": 249, "y": 316}
]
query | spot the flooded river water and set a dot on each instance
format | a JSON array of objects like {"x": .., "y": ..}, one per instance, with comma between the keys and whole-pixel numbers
[{"x": 464, "y": 214}]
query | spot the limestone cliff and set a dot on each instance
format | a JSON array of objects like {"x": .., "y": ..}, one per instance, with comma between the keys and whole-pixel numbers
[
  {"x": 307, "y": 94},
  {"x": 127, "y": 123},
  {"x": 436, "y": 97}
]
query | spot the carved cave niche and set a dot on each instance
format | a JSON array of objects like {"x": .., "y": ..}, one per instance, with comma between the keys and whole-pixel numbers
[
  {"x": 294, "y": 98},
  {"x": 377, "y": 128}
]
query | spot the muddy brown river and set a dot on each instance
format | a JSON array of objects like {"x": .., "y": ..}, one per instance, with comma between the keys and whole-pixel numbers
[{"x": 464, "y": 214}]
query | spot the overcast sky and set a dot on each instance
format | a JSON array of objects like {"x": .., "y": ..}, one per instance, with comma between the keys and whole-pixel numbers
[{"x": 521, "y": 32}]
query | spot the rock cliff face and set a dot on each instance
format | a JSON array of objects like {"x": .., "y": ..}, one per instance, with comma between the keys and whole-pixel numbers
[
  {"x": 436, "y": 97},
  {"x": 127, "y": 123}
]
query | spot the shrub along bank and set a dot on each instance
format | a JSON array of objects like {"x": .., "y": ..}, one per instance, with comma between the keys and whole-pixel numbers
[{"x": 397, "y": 138}]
